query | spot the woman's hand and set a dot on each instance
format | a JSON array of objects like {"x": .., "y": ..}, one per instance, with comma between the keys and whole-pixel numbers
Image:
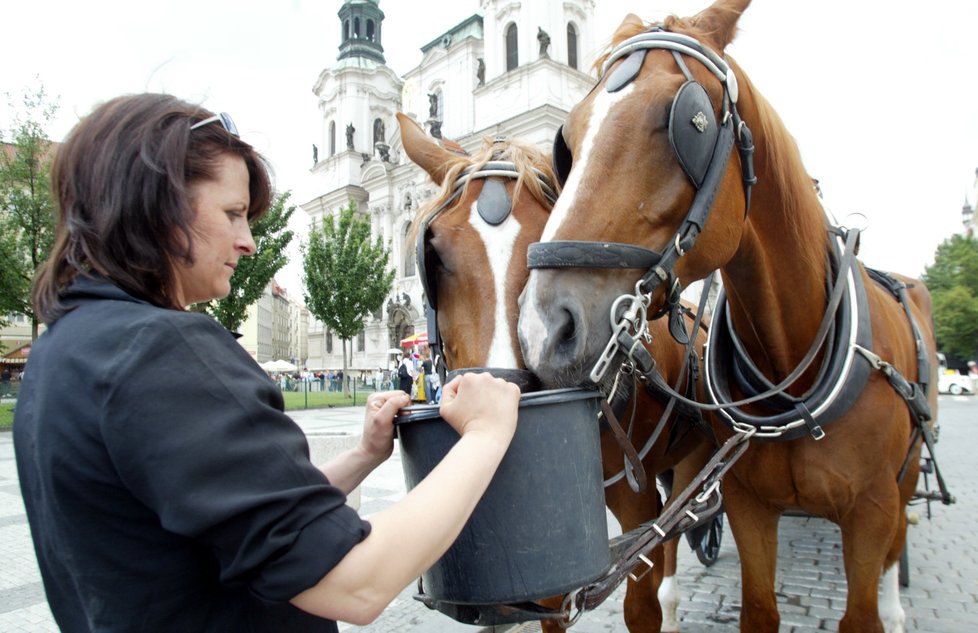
[
  {"x": 481, "y": 403},
  {"x": 377, "y": 442}
]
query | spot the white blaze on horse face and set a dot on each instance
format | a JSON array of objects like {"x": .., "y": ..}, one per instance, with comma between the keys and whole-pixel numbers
[
  {"x": 600, "y": 108},
  {"x": 498, "y": 241},
  {"x": 533, "y": 327}
]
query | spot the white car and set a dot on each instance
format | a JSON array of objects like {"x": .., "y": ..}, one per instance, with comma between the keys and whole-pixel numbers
[{"x": 955, "y": 384}]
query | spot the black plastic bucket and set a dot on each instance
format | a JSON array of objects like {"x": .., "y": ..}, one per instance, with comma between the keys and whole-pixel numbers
[{"x": 540, "y": 529}]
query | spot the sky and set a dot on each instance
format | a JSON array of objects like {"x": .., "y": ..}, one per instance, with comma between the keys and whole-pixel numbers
[{"x": 881, "y": 95}]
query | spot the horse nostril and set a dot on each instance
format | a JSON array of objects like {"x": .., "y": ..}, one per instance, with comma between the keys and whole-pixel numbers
[{"x": 565, "y": 334}]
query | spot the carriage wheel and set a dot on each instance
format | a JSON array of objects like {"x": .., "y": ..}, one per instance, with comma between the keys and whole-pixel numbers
[
  {"x": 955, "y": 389},
  {"x": 707, "y": 547}
]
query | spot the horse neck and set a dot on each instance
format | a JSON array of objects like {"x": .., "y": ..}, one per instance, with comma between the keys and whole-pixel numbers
[{"x": 775, "y": 283}]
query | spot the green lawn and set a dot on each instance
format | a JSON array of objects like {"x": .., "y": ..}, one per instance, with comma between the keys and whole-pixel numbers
[
  {"x": 293, "y": 400},
  {"x": 6, "y": 415}
]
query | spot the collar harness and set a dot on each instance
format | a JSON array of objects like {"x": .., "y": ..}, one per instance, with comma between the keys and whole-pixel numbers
[{"x": 703, "y": 148}]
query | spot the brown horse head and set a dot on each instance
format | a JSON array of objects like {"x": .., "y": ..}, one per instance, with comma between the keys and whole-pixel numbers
[
  {"x": 638, "y": 154},
  {"x": 475, "y": 233}
]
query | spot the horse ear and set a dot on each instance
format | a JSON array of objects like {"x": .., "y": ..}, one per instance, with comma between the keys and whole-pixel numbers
[
  {"x": 629, "y": 26},
  {"x": 719, "y": 21},
  {"x": 424, "y": 150}
]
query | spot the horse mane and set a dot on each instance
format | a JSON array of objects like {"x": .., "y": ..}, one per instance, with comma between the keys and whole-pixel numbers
[
  {"x": 784, "y": 169},
  {"x": 788, "y": 172},
  {"x": 525, "y": 156}
]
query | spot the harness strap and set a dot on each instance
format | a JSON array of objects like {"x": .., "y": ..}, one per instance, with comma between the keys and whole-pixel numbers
[
  {"x": 695, "y": 505},
  {"x": 946, "y": 497},
  {"x": 634, "y": 470}
]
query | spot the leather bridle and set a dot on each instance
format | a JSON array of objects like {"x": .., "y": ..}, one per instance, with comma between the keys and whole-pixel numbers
[
  {"x": 629, "y": 313},
  {"x": 494, "y": 206}
]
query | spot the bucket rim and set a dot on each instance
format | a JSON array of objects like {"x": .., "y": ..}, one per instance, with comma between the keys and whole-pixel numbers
[{"x": 423, "y": 412}]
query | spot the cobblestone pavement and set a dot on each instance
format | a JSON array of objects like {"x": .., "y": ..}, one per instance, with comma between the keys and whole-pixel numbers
[{"x": 943, "y": 553}]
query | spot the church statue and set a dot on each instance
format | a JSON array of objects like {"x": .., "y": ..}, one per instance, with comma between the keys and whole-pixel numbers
[
  {"x": 480, "y": 72},
  {"x": 544, "y": 38},
  {"x": 349, "y": 135},
  {"x": 315, "y": 154},
  {"x": 432, "y": 105},
  {"x": 378, "y": 131}
]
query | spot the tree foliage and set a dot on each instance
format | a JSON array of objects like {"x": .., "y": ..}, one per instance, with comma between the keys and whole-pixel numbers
[
  {"x": 272, "y": 238},
  {"x": 26, "y": 205},
  {"x": 346, "y": 276},
  {"x": 953, "y": 282}
]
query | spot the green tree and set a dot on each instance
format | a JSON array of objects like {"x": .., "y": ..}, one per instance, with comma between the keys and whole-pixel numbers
[
  {"x": 26, "y": 205},
  {"x": 953, "y": 282},
  {"x": 346, "y": 276},
  {"x": 253, "y": 273}
]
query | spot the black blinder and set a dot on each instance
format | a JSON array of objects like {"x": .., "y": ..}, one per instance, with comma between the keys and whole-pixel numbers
[
  {"x": 494, "y": 204},
  {"x": 427, "y": 264},
  {"x": 626, "y": 71},
  {"x": 693, "y": 130},
  {"x": 562, "y": 157}
]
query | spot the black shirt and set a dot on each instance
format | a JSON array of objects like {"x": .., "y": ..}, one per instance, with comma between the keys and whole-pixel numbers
[{"x": 166, "y": 489}]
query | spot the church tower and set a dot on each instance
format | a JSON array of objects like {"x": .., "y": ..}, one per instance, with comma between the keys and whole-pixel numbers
[
  {"x": 361, "y": 22},
  {"x": 358, "y": 97}
]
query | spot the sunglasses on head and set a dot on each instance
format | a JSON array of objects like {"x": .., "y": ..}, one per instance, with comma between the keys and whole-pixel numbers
[{"x": 223, "y": 118}]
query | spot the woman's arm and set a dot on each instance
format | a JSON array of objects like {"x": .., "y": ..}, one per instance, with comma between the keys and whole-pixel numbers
[
  {"x": 348, "y": 469},
  {"x": 411, "y": 535}
]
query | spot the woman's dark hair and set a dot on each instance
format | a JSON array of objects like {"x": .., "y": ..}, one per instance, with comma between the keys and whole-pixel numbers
[{"x": 122, "y": 181}]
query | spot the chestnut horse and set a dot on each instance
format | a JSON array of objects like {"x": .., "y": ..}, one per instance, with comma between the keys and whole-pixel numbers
[
  {"x": 474, "y": 261},
  {"x": 819, "y": 350}
]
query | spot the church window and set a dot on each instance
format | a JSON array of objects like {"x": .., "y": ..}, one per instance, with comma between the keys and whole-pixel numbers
[
  {"x": 370, "y": 30},
  {"x": 362, "y": 341},
  {"x": 346, "y": 30},
  {"x": 512, "y": 49},
  {"x": 356, "y": 28},
  {"x": 571, "y": 45}
]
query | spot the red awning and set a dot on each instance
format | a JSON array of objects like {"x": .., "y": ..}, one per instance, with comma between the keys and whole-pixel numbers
[
  {"x": 415, "y": 339},
  {"x": 17, "y": 357}
]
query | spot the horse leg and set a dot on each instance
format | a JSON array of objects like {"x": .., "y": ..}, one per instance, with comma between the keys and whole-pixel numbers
[
  {"x": 891, "y": 611},
  {"x": 642, "y": 611},
  {"x": 669, "y": 595},
  {"x": 870, "y": 533},
  {"x": 755, "y": 530}
]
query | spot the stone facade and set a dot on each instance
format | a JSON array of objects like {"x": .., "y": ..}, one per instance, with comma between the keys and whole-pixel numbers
[{"x": 492, "y": 74}]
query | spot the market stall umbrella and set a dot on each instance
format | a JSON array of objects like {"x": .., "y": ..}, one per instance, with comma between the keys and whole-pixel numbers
[
  {"x": 278, "y": 365},
  {"x": 415, "y": 339}
]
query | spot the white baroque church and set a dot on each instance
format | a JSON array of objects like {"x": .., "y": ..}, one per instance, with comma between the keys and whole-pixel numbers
[{"x": 514, "y": 68}]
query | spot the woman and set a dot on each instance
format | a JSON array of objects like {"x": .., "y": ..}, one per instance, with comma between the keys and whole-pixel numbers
[{"x": 164, "y": 485}]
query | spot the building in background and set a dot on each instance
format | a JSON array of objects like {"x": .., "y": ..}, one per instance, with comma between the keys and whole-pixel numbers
[
  {"x": 276, "y": 328},
  {"x": 513, "y": 69}
]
